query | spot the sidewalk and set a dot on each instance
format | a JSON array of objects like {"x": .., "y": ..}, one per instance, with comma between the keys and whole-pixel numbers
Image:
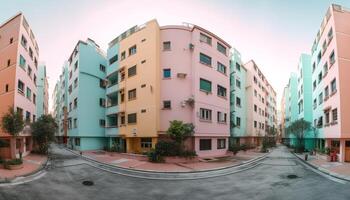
[
  {"x": 31, "y": 164},
  {"x": 140, "y": 162},
  {"x": 335, "y": 169}
]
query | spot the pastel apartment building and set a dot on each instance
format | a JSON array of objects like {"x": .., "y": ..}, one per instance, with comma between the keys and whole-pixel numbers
[
  {"x": 86, "y": 96},
  {"x": 42, "y": 101},
  {"x": 161, "y": 73},
  {"x": 238, "y": 106},
  {"x": 260, "y": 104},
  {"x": 19, "y": 54},
  {"x": 60, "y": 105},
  {"x": 330, "y": 55}
]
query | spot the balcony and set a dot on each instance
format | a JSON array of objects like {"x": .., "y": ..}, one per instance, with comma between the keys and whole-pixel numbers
[
  {"x": 111, "y": 131},
  {"x": 113, "y": 109},
  {"x": 112, "y": 89}
]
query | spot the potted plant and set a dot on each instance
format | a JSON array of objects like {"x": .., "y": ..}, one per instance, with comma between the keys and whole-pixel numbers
[{"x": 13, "y": 164}]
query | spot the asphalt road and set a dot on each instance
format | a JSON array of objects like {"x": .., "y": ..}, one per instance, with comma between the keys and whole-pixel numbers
[{"x": 269, "y": 180}]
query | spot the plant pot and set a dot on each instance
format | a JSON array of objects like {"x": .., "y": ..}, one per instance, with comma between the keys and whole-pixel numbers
[{"x": 14, "y": 167}]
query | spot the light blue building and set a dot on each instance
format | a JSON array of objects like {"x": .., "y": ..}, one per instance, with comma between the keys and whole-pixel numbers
[
  {"x": 86, "y": 97},
  {"x": 238, "y": 93}
]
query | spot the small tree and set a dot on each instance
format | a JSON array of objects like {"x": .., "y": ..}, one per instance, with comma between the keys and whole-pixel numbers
[
  {"x": 43, "y": 132},
  {"x": 179, "y": 131},
  {"x": 298, "y": 129},
  {"x": 12, "y": 122}
]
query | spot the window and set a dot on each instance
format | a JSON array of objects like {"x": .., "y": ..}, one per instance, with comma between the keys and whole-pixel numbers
[
  {"x": 113, "y": 59},
  {"x": 221, "y": 117},
  {"x": 205, "y": 85},
  {"x": 314, "y": 85},
  {"x": 319, "y": 77},
  {"x": 75, "y": 102},
  {"x": 255, "y": 124},
  {"x": 75, "y": 123},
  {"x": 204, "y": 38},
  {"x": 122, "y": 56},
  {"x": 167, "y": 104},
  {"x": 70, "y": 89},
  {"x": 70, "y": 75},
  {"x": 238, "y": 122},
  {"x": 75, "y": 82},
  {"x": 327, "y": 117},
  {"x": 20, "y": 87},
  {"x": 238, "y": 67},
  {"x": 132, "y": 50},
  {"x": 166, "y": 46},
  {"x": 11, "y": 40},
  {"x": 132, "y": 94},
  {"x": 221, "y": 68},
  {"x": 24, "y": 42},
  {"x": 326, "y": 92},
  {"x": 330, "y": 35},
  {"x": 238, "y": 102},
  {"x": 27, "y": 116},
  {"x": 102, "y": 102},
  {"x": 204, "y": 59},
  {"x": 335, "y": 115},
  {"x": 77, "y": 141},
  {"x": 132, "y": 71},
  {"x": 6, "y": 87},
  {"x": 102, "y": 122},
  {"x": 29, "y": 72},
  {"x": 30, "y": 53},
  {"x": 102, "y": 83},
  {"x": 8, "y": 62},
  {"x": 255, "y": 93},
  {"x": 75, "y": 65},
  {"x": 238, "y": 83},
  {"x": 102, "y": 68},
  {"x": 320, "y": 122},
  {"x": 205, "y": 114},
  {"x": 332, "y": 58},
  {"x": 70, "y": 106},
  {"x": 204, "y": 144},
  {"x": 34, "y": 79},
  {"x": 320, "y": 98},
  {"x": 221, "y": 144},
  {"x": 325, "y": 68},
  {"x": 146, "y": 143},
  {"x": 255, "y": 108},
  {"x": 315, "y": 104},
  {"x": 166, "y": 73},
  {"x": 22, "y": 62},
  {"x": 132, "y": 118},
  {"x": 221, "y": 48},
  {"x": 29, "y": 93},
  {"x": 221, "y": 91},
  {"x": 319, "y": 57},
  {"x": 333, "y": 86},
  {"x": 313, "y": 67}
]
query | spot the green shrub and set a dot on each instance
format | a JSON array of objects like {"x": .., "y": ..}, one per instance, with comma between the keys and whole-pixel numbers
[
  {"x": 167, "y": 148},
  {"x": 153, "y": 156},
  {"x": 15, "y": 161},
  {"x": 234, "y": 148},
  {"x": 244, "y": 147}
]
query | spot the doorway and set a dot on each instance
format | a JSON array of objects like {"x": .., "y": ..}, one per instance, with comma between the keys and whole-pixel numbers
[{"x": 347, "y": 151}]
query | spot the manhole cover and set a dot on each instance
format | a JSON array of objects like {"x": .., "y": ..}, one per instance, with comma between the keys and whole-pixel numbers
[
  {"x": 88, "y": 183},
  {"x": 292, "y": 176}
]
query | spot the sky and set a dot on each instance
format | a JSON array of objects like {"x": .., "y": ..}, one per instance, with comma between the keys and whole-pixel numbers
[{"x": 271, "y": 32}]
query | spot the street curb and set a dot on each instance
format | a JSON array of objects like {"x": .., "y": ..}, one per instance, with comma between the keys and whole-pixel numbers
[
  {"x": 161, "y": 172},
  {"x": 33, "y": 173},
  {"x": 323, "y": 170}
]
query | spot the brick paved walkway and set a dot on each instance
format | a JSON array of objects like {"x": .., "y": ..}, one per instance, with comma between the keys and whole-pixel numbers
[{"x": 31, "y": 163}]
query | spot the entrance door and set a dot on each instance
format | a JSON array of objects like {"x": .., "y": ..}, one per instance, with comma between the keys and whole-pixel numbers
[{"x": 347, "y": 151}]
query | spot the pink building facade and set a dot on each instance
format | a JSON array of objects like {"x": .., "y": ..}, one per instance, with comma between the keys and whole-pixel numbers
[
  {"x": 330, "y": 76},
  {"x": 19, "y": 54},
  {"x": 195, "y": 85}
]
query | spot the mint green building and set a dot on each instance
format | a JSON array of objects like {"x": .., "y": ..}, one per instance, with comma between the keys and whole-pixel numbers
[
  {"x": 86, "y": 97},
  {"x": 42, "y": 96},
  {"x": 238, "y": 118}
]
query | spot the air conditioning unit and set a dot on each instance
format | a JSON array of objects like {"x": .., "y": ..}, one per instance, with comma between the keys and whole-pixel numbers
[
  {"x": 191, "y": 46},
  {"x": 181, "y": 75}
]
